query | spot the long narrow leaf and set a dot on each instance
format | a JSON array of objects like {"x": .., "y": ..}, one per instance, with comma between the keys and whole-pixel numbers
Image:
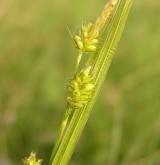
[{"x": 103, "y": 57}]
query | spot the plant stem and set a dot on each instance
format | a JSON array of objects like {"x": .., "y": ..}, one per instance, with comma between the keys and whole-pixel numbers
[
  {"x": 104, "y": 56},
  {"x": 62, "y": 130},
  {"x": 79, "y": 57}
]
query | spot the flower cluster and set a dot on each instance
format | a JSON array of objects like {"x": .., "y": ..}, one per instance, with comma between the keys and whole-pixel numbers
[
  {"x": 87, "y": 38},
  {"x": 80, "y": 89},
  {"x": 84, "y": 39},
  {"x": 104, "y": 17},
  {"x": 32, "y": 160}
]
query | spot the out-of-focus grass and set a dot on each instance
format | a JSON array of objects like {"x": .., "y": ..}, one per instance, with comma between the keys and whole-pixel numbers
[{"x": 36, "y": 59}]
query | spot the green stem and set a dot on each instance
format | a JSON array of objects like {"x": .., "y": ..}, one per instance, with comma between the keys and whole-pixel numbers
[
  {"x": 61, "y": 131},
  {"x": 61, "y": 150},
  {"x": 111, "y": 37},
  {"x": 78, "y": 60}
]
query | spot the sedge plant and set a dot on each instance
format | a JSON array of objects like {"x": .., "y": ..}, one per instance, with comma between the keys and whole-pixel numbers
[{"x": 98, "y": 41}]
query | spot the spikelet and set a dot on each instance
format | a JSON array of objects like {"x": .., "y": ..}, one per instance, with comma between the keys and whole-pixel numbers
[
  {"x": 83, "y": 39},
  {"x": 80, "y": 89},
  {"x": 32, "y": 160},
  {"x": 105, "y": 15},
  {"x": 87, "y": 38}
]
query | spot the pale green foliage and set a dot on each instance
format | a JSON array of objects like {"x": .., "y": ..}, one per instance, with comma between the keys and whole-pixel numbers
[{"x": 36, "y": 62}]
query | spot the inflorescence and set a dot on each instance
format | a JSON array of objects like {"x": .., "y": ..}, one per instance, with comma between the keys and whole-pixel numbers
[
  {"x": 80, "y": 89},
  {"x": 81, "y": 86}
]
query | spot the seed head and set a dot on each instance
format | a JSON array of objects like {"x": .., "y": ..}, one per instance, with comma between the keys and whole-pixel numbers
[
  {"x": 84, "y": 41},
  {"x": 80, "y": 89},
  {"x": 32, "y": 160},
  {"x": 105, "y": 15}
]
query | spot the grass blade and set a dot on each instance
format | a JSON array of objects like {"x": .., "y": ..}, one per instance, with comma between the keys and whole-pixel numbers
[{"x": 103, "y": 58}]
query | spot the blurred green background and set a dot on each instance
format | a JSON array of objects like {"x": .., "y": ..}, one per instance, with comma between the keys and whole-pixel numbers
[{"x": 36, "y": 61}]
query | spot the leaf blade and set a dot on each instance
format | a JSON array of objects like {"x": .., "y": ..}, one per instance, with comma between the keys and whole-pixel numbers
[{"x": 103, "y": 61}]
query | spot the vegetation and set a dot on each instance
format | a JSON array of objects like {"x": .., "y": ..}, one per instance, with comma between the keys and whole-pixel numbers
[
  {"x": 35, "y": 61},
  {"x": 86, "y": 83}
]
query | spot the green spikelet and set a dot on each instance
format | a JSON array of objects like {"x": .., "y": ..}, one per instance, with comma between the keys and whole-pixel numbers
[
  {"x": 84, "y": 41},
  {"x": 32, "y": 160},
  {"x": 80, "y": 89}
]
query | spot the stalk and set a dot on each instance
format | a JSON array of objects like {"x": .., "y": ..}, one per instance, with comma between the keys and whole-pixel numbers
[{"x": 100, "y": 62}]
